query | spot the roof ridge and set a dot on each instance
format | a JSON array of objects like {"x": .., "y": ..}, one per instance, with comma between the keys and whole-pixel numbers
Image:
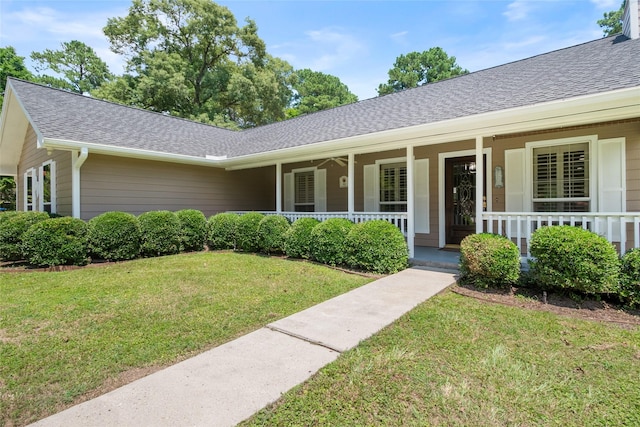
[{"x": 68, "y": 92}]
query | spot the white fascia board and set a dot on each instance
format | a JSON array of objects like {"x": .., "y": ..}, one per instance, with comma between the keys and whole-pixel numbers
[
  {"x": 9, "y": 89},
  {"x": 61, "y": 144},
  {"x": 614, "y": 105}
]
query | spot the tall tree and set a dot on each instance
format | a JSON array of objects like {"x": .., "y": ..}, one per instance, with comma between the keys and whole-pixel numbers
[
  {"x": 78, "y": 63},
  {"x": 190, "y": 58},
  {"x": 611, "y": 23},
  {"x": 419, "y": 68},
  {"x": 11, "y": 65},
  {"x": 315, "y": 91}
]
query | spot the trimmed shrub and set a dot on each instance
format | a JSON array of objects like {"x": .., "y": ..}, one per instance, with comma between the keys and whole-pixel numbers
[
  {"x": 56, "y": 241},
  {"x": 297, "y": 239},
  {"x": 377, "y": 246},
  {"x": 221, "y": 231},
  {"x": 247, "y": 232},
  {"x": 630, "y": 281},
  {"x": 160, "y": 233},
  {"x": 5, "y": 215},
  {"x": 11, "y": 231},
  {"x": 489, "y": 261},
  {"x": 271, "y": 231},
  {"x": 193, "y": 229},
  {"x": 571, "y": 258},
  {"x": 114, "y": 236},
  {"x": 327, "y": 241}
]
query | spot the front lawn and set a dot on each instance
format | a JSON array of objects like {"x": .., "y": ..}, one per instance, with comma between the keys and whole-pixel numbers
[
  {"x": 455, "y": 360},
  {"x": 68, "y": 336}
]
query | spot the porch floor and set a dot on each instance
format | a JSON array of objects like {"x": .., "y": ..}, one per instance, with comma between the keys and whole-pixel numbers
[{"x": 435, "y": 257}]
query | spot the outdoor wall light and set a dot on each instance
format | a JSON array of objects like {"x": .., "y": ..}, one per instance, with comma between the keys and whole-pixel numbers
[{"x": 498, "y": 177}]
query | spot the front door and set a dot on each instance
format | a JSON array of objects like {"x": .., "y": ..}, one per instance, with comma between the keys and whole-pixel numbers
[{"x": 460, "y": 198}]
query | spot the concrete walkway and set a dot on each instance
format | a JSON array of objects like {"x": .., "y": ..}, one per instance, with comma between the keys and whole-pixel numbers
[{"x": 229, "y": 383}]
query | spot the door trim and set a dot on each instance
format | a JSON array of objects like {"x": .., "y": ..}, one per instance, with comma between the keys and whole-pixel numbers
[{"x": 442, "y": 237}]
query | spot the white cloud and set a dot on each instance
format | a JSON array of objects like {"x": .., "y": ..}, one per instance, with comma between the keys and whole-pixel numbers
[
  {"x": 333, "y": 48},
  {"x": 517, "y": 10},
  {"x": 34, "y": 29},
  {"x": 400, "y": 37}
]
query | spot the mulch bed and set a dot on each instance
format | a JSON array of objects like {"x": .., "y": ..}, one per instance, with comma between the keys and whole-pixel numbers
[{"x": 564, "y": 305}]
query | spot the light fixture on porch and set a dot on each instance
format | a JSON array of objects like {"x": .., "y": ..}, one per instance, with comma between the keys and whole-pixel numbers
[{"x": 498, "y": 177}]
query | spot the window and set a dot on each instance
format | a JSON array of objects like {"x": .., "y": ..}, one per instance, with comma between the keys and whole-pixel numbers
[
  {"x": 561, "y": 178},
  {"x": 393, "y": 187},
  {"x": 47, "y": 187},
  {"x": 304, "y": 191},
  {"x": 40, "y": 188},
  {"x": 29, "y": 190}
]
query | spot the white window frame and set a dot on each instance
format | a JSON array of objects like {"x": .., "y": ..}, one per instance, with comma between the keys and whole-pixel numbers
[
  {"x": 30, "y": 174},
  {"x": 37, "y": 188},
  {"x": 593, "y": 170},
  {"x": 376, "y": 180},
  {"x": 304, "y": 170},
  {"x": 52, "y": 181}
]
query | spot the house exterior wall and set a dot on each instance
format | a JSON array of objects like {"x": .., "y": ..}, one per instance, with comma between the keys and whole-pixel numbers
[
  {"x": 32, "y": 157},
  {"x": 116, "y": 183}
]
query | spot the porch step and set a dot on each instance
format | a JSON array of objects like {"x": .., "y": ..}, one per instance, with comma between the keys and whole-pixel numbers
[{"x": 438, "y": 265}]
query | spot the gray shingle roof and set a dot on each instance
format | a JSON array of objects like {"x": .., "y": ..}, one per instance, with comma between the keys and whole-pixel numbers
[{"x": 599, "y": 66}]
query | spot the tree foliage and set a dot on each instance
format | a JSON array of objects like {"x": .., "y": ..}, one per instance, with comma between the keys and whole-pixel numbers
[
  {"x": 11, "y": 65},
  {"x": 7, "y": 193},
  {"x": 419, "y": 68},
  {"x": 82, "y": 69},
  {"x": 191, "y": 59},
  {"x": 315, "y": 91},
  {"x": 611, "y": 23}
]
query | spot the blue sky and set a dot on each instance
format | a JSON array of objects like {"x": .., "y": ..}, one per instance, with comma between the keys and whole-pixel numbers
[{"x": 356, "y": 40}]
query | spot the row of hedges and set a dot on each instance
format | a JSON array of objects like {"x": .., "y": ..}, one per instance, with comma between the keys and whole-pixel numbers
[
  {"x": 376, "y": 246},
  {"x": 565, "y": 258}
]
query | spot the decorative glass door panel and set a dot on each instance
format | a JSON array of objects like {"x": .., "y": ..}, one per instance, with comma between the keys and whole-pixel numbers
[{"x": 460, "y": 198}]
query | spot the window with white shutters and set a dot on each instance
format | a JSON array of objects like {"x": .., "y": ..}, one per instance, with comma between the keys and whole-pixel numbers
[{"x": 561, "y": 178}]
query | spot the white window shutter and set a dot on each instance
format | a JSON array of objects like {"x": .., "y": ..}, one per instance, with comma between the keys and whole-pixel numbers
[
  {"x": 612, "y": 179},
  {"x": 514, "y": 180},
  {"x": 612, "y": 176},
  {"x": 421, "y": 199},
  {"x": 320, "y": 196},
  {"x": 289, "y": 192},
  {"x": 369, "y": 172}
]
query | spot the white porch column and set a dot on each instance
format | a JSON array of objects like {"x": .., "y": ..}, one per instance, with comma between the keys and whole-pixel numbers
[
  {"x": 77, "y": 160},
  {"x": 410, "y": 201},
  {"x": 479, "y": 183},
  {"x": 278, "y": 187},
  {"x": 351, "y": 179}
]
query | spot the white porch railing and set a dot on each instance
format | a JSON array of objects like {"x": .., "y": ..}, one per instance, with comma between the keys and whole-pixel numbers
[
  {"x": 399, "y": 219},
  {"x": 519, "y": 226}
]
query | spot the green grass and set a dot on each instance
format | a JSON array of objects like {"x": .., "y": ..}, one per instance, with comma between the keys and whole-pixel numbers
[
  {"x": 458, "y": 361},
  {"x": 66, "y": 335}
]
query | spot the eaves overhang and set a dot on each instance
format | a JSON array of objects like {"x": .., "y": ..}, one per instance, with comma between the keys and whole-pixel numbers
[{"x": 614, "y": 105}]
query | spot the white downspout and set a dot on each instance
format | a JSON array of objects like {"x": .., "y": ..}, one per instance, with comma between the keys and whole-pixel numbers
[
  {"x": 479, "y": 184},
  {"x": 410, "y": 202},
  {"x": 351, "y": 179},
  {"x": 77, "y": 160},
  {"x": 278, "y": 187}
]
